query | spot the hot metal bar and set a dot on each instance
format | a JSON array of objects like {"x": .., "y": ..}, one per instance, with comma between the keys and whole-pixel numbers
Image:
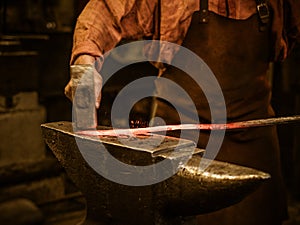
[{"x": 226, "y": 126}]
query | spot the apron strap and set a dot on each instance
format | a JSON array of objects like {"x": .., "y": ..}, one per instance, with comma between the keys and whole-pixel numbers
[
  {"x": 204, "y": 11},
  {"x": 263, "y": 13}
]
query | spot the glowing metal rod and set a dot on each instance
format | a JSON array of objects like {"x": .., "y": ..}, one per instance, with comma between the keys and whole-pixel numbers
[{"x": 215, "y": 126}]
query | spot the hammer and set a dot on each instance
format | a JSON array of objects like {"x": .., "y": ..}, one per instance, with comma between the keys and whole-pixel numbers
[{"x": 84, "y": 110}]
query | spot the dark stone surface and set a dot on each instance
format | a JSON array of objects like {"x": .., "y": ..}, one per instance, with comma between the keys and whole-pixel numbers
[{"x": 20, "y": 212}]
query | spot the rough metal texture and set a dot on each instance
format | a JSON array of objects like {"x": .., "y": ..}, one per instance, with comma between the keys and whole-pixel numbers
[
  {"x": 84, "y": 111},
  {"x": 187, "y": 193}
]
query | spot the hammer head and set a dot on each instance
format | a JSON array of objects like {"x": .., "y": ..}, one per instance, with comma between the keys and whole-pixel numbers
[{"x": 84, "y": 110}]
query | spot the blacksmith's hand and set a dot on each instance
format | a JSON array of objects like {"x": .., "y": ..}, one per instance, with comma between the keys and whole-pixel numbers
[{"x": 74, "y": 79}]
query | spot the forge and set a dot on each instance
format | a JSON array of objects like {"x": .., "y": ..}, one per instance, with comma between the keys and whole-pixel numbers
[{"x": 187, "y": 193}]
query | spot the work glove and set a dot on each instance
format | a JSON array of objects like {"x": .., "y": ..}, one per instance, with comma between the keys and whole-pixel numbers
[{"x": 75, "y": 78}]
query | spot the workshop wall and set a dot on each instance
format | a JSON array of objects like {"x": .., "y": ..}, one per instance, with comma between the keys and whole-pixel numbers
[{"x": 35, "y": 45}]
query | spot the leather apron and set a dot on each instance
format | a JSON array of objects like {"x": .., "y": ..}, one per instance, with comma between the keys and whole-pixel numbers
[{"x": 238, "y": 55}]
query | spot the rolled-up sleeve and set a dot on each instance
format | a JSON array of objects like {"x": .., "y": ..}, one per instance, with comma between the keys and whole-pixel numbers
[{"x": 97, "y": 29}]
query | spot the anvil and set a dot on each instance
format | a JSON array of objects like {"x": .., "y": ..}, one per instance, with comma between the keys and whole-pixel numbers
[{"x": 188, "y": 192}]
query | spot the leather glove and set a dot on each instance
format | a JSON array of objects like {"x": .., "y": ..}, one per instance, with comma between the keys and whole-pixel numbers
[{"x": 75, "y": 78}]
